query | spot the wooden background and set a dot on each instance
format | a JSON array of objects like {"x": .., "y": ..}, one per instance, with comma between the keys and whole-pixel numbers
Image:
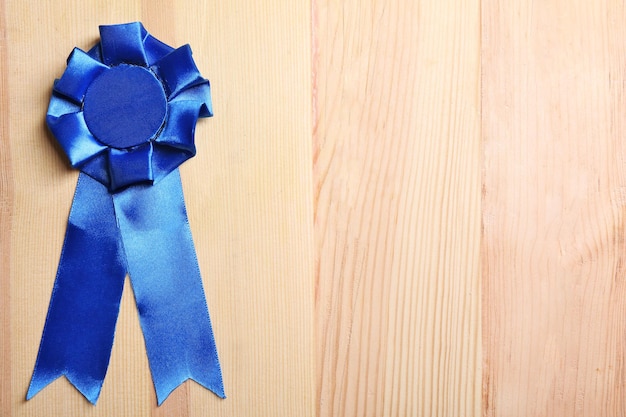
[{"x": 401, "y": 208}]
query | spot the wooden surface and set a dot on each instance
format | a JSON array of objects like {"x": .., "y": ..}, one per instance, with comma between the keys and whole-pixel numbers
[
  {"x": 397, "y": 220},
  {"x": 553, "y": 249},
  {"x": 350, "y": 266}
]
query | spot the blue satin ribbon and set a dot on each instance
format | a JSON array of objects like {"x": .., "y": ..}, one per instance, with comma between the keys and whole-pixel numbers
[{"x": 125, "y": 114}]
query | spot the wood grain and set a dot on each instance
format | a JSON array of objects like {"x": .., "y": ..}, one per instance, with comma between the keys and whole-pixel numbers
[
  {"x": 6, "y": 225},
  {"x": 397, "y": 220},
  {"x": 553, "y": 249},
  {"x": 248, "y": 193}
]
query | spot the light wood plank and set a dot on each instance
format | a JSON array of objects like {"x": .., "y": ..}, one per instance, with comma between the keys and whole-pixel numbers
[
  {"x": 397, "y": 221},
  {"x": 248, "y": 192},
  {"x": 553, "y": 211},
  {"x": 6, "y": 224}
]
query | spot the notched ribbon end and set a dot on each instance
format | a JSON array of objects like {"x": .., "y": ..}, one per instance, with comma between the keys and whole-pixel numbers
[
  {"x": 88, "y": 389},
  {"x": 216, "y": 387},
  {"x": 36, "y": 386}
]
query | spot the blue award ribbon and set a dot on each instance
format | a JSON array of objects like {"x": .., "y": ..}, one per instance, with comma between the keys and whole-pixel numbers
[{"x": 125, "y": 114}]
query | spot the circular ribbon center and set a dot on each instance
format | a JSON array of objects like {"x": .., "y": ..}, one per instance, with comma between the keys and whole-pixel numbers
[{"x": 125, "y": 106}]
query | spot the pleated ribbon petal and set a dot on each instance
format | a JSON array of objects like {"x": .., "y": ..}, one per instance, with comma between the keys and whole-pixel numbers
[
  {"x": 178, "y": 71},
  {"x": 123, "y": 44},
  {"x": 81, "y": 71},
  {"x": 74, "y": 137}
]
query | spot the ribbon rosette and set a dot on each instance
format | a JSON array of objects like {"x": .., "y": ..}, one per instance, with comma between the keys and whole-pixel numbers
[{"x": 125, "y": 114}]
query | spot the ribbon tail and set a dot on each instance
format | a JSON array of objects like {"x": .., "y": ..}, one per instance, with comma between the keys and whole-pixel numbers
[
  {"x": 166, "y": 281},
  {"x": 79, "y": 329}
]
